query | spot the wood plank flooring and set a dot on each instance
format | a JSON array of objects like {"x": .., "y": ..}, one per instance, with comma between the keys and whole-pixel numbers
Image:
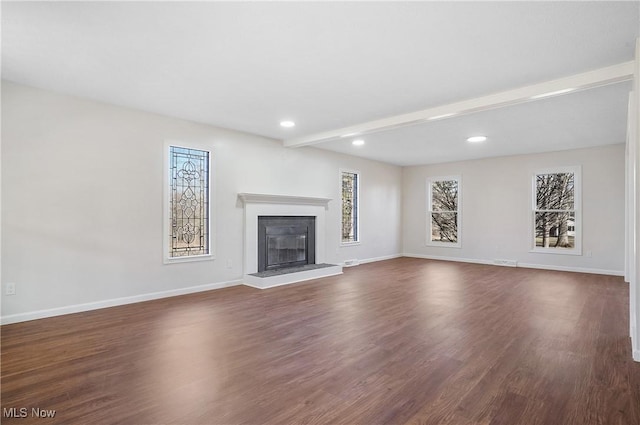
[{"x": 404, "y": 341}]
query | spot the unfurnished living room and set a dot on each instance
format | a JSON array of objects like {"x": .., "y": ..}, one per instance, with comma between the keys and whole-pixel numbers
[{"x": 320, "y": 213}]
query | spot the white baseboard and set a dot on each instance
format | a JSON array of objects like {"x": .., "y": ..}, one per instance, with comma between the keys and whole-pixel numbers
[
  {"x": 523, "y": 265},
  {"x": 374, "y": 259},
  {"x": 443, "y": 258},
  {"x": 78, "y": 308},
  {"x": 636, "y": 355},
  {"x": 572, "y": 269},
  {"x": 384, "y": 257}
]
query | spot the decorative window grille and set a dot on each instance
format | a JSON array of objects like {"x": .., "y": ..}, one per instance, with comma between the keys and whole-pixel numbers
[
  {"x": 350, "y": 207},
  {"x": 189, "y": 219},
  {"x": 556, "y": 214},
  {"x": 444, "y": 211}
]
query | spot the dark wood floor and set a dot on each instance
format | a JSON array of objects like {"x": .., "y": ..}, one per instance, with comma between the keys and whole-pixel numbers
[{"x": 398, "y": 341}]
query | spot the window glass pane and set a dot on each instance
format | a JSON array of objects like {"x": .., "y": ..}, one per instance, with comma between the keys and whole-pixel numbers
[
  {"x": 555, "y": 191},
  {"x": 555, "y": 230},
  {"x": 349, "y": 207},
  {"x": 189, "y": 198},
  {"x": 444, "y": 195},
  {"x": 444, "y": 227}
]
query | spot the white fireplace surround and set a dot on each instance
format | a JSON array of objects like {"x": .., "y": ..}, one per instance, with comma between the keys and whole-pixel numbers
[{"x": 257, "y": 204}]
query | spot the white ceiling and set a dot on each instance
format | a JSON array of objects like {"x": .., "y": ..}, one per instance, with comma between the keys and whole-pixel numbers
[
  {"x": 587, "y": 118},
  {"x": 327, "y": 65}
]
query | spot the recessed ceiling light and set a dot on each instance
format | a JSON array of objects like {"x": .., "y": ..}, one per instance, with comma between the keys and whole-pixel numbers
[
  {"x": 476, "y": 139},
  {"x": 551, "y": 93},
  {"x": 358, "y": 142},
  {"x": 437, "y": 117},
  {"x": 287, "y": 124}
]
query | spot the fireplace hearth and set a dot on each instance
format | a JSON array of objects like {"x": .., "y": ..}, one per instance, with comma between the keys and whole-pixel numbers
[{"x": 285, "y": 242}]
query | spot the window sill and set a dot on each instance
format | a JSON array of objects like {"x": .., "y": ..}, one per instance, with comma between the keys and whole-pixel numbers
[
  {"x": 345, "y": 244},
  {"x": 445, "y": 244},
  {"x": 560, "y": 251},
  {"x": 189, "y": 259}
]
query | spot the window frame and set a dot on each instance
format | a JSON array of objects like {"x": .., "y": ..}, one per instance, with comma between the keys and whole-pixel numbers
[
  {"x": 577, "y": 209},
  {"x": 429, "y": 191},
  {"x": 358, "y": 238},
  {"x": 166, "y": 219}
]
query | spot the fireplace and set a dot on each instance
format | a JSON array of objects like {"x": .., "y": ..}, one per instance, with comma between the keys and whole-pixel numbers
[
  {"x": 258, "y": 205},
  {"x": 285, "y": 241}
]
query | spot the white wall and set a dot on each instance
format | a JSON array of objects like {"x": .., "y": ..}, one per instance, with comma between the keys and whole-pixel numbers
[
  {"x": 496, "y": 212},
  {"x": 82, "y": 200}
]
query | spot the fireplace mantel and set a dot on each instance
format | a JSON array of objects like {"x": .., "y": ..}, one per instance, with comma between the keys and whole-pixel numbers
[{"x": 263, "y": 198}]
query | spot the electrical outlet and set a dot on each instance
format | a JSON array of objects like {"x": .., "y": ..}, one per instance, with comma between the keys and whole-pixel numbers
[
  {"x": 229, "y": 264},
  {"x": 589, "y": 253},
  {"x": 10, "y": 289}
]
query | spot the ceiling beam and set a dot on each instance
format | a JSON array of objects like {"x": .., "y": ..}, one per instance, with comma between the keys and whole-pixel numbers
[{"x": 586, "y": 80}]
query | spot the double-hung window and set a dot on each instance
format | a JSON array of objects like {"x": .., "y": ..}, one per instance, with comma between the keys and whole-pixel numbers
[
  {"x": 556, "y": 211},
  {"x": 349, "y": 183},
  {"x": 443, "y": 211}
]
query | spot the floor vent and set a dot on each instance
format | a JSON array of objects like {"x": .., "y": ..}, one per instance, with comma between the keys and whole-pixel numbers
[{"x": 351, "y": 263}]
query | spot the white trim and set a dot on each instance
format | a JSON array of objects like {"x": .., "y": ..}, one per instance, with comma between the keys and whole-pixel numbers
[
  {"x": 371, "y": 260},
  {"x": 358, "y": 240},
  {"x": 167, "y": 209},
  {"x": 635, "y": 351},
  {"x": 96, "y": 305},
  {"x": 290, "y": 278},
  {"x": 263, "y": 198},
  {"x": 79, "y": 308},
  {"x": 439, "y": 244},
  {"x": 577, "y": 210},
  {"x": 442, "y": 244},
  {"x": 572, "y": 269},
  {"x": 455, "y": 259},
  {"x": 384, "y": 257},
  {"x": 252, "y": 210},
  {"x": 634, "y": 207},
  {"x": 348, "y": 244},
  {"x": 264, "y": 283},
  {"x": 629, "y": 192},
  {"x": 522, "y": 265},
  {"x": 558, "y": 251},
  {"x": 586, "y": 80}
]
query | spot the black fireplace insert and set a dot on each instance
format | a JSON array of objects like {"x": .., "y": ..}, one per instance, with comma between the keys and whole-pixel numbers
[{"x": 286, "y": 241}]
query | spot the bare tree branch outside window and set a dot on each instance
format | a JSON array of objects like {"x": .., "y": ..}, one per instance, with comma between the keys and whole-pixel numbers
[
  {"x": 444, "y": 211},
  {"x": 555, "y": 210}
]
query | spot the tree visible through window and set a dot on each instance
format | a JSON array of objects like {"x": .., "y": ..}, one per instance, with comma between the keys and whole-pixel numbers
[
  {"x": 555, "y": 213},
  {"x": 444, "y": 210},
  {"x": 349, "y": 183}
]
